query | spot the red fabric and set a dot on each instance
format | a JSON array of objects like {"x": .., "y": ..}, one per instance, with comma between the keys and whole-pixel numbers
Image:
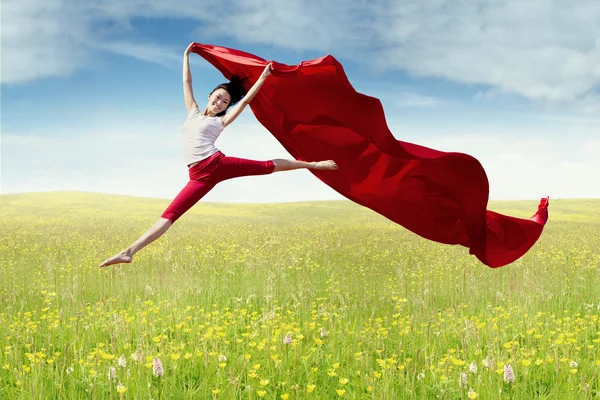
[
  {"x": 314, "y": 112},
  {"x": 207, "y": 174}
]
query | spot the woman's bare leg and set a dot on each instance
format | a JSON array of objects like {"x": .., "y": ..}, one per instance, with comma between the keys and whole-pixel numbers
[
  {"x": 156, "y": 231},
  {"x": 288, "y": 165}
]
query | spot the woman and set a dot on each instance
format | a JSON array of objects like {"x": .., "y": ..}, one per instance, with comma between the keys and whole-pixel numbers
[{"x": 207, "y": 165}]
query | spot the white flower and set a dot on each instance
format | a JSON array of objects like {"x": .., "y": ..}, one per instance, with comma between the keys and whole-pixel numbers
[
  {"x": 573, "y": 364},
  {"x": 112, "y": 374},
  {"x": 137, "y": 356},
  {"x": 487, "y": 362},
  {"x": 473, "y": 367},
  {"x": 323, "y": 333},
  {"x": 122, "y": 362},
  {"x": 222, "y": 358},
  {"x": 70, "y": 370},
  {"x": 463, "y": 380}
]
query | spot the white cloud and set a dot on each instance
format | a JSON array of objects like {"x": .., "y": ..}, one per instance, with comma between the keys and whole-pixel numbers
[
  {"x": 141, "y": 161},
  {"x": 147, "y": 163},
  {"x": 40, "y": 39},
  {"x": 521, "y": 166},
  {"x": 542, "y": 49}
]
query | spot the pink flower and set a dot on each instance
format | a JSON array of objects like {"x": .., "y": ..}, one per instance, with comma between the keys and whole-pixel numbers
[
  {"x": 157, "y": 368},
  {"x": 509, "y": 375},
  {"x": 287, "y": 339}
]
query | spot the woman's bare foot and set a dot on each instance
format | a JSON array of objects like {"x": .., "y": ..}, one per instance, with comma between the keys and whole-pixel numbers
[
  {"x": 123, "y": 257},
  {"x": 329, "y": 164}
]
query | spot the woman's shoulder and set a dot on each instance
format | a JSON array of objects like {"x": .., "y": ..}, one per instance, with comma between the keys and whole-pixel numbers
[{"x": 194, "y": 112}]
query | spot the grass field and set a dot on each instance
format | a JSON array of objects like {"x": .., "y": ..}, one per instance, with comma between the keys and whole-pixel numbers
[{"x": 320, "y": 300}]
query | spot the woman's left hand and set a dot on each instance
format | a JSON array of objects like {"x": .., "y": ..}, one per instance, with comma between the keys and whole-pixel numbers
[{"x": 267, "y": 71}]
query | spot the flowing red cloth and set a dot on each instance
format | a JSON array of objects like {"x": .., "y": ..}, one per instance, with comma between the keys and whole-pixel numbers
[{"x": 315, "y": 113}]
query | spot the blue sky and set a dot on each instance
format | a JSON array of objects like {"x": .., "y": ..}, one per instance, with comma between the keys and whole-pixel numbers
[{"x": 92, "y": 97}]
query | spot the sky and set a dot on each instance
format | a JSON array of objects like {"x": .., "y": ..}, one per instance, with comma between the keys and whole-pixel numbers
[{"x": 92, "y": 96}]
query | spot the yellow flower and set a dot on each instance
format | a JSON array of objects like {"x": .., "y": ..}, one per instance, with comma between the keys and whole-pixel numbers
[
  {"x": 472, "y": 395},
  {"x": 343, "y": 381},
  {"x": 222, "y": 365},
  {"x": 216, "y": 391},
  {"x": 573, "y": 371},
  {"x": 121, "y": 389},
  {"x": 264, "y": 382},
  {"x": 256, "y": 366},
  {"x": 285, "y": 396},
  {"x": 340, "y": 392},
  {"x": 336, "y": 365},
  {"x": 175, "y": 356},
  {"x": 526, "y": 363},
  {"x": 261, "y": 393},
  {"x": 311, "y": 388}
]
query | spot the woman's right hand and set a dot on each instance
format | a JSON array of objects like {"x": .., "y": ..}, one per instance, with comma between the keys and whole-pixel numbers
[{"x": 189, "y": 49}]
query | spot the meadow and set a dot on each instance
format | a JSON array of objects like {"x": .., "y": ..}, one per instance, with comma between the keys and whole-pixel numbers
[{"x": 320, "y": 300}]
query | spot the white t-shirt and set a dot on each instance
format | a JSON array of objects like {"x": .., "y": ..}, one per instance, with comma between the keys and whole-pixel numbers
[{"x": 199, "y": 135}]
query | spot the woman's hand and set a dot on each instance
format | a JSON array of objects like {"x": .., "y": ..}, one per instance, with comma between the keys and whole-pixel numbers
[
  {"x": 189, "y": 49},
  {"x": 267, "y": 71}
]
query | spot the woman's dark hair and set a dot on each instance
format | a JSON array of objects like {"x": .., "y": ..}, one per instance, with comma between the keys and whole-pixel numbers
[{"x": 235, "y": 88}]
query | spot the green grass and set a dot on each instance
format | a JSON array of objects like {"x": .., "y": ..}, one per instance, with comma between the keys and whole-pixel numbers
[{"x": 362, "y": 300}]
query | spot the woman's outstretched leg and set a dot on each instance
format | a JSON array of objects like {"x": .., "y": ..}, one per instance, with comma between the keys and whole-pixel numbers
[
  {"x": 288, "y": 165},
  {"x": 187, "y": 197},
  {"x": 156, "y": 231}
]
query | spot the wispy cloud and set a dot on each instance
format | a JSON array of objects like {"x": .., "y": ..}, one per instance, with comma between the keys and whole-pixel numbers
[
  {"x": 407, "y": 99},
  {"x": 544, "y": 50},
  {"x": 148, "y": 52}
]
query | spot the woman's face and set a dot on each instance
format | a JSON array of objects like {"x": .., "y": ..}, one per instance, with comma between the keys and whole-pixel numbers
[{"x": 218, "y": 101}]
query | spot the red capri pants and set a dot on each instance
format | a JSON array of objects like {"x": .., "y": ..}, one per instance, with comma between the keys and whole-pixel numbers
[{"x": 207, "y": 173}]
